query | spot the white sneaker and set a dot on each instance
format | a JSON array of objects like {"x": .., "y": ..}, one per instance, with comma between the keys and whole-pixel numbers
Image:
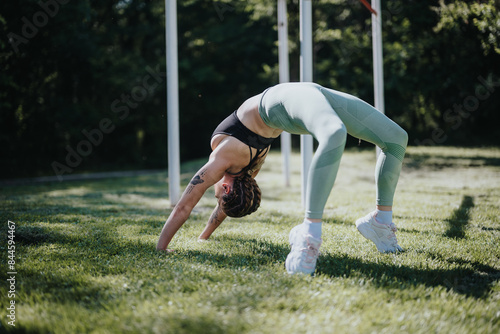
[
  {"x": 382, "y": 235},
  {"x": 304, "y": 253}
]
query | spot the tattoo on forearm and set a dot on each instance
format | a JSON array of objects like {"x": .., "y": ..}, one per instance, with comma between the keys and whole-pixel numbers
[{"x": 197, "y": 179}]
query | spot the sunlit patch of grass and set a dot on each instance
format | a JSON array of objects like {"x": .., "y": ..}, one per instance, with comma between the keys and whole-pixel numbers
[{"x": 86, "y": 258}]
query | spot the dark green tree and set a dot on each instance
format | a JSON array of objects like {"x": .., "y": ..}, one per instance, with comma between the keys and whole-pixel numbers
[{"x": 88, "y": 76}]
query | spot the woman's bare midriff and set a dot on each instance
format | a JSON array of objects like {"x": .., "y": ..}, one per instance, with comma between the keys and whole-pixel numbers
[{"x": 248, "y": 113}]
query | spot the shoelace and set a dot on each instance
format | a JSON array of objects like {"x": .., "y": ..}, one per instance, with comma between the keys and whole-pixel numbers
[
  {"x": 392, "y": 236},
  {"x": 311, "y": 252}
]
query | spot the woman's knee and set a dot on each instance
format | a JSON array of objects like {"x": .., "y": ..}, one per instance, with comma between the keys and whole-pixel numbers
[
  {"x": 395, "y": 134},
  {"x": 330, "y": 149},
  {"x": 402, "y": 137},
  {"x": 396, "y": 144}
]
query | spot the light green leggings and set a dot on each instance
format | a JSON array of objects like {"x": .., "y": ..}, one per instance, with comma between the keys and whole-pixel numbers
[{"x": 328, "y": 115}]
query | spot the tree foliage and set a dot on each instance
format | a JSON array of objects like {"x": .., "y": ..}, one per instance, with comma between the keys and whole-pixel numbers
[{"x": 82, "y": 83}]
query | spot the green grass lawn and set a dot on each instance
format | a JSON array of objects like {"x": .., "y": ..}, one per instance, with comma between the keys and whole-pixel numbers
[{"x": 86, "y": 262}]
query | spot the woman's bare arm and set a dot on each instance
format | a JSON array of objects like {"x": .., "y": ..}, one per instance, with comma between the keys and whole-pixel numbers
[
  {"x": 215, "y": 220},
  {"x": 207, "y": 176}
]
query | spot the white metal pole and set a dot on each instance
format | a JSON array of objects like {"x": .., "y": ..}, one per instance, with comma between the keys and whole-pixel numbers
[
  {"x": 378, "y": 65},
  {"x": 306, "y": 74},
  {"x": 284, "y": 76},
  {"x": 172, "y": 101}
]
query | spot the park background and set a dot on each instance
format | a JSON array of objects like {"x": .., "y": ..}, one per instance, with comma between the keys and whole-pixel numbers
[
  {"x": 89, "y": 77},
  {"x": 71, "y": 68}
]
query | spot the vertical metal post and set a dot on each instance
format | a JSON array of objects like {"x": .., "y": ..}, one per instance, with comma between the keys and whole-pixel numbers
[
  {"x": 172, "y": 101},
  {"x": 306, "y": 75},
  {"x": 378, "y": 63},
  {"x": 284, "y": 76}
]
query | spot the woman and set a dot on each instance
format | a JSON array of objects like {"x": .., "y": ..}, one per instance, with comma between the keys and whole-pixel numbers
[{"x": 240, "y": 145}]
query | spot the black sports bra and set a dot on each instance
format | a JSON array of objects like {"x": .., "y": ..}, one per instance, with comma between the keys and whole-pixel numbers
[{"x": 233, "y": 127}]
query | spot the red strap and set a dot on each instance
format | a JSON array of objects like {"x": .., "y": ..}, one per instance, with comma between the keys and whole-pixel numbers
[{"x": 367, "y": 5}]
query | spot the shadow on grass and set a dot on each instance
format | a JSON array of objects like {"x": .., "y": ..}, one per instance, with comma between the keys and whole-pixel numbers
[
  {"x": 100, "y": 241},
  {"x": 247, "y": 253},
  {"x": 476, "y": 282},
  {"x": 67, "y": 264},
  {"x": 96, "y": 249},
  {"x": 64, "y": 287},
  {"x": 34, "y": 235},
  {"x": 437, "y": 162},
  {"x": 459, "y": 219}
]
